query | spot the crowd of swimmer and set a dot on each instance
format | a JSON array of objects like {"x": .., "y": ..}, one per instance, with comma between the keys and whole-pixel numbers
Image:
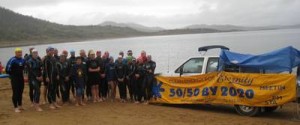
[{"x": 93, "y": 77}]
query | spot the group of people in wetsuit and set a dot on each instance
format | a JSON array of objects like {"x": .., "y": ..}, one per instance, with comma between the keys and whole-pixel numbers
[{"x": 89, "y": 77}]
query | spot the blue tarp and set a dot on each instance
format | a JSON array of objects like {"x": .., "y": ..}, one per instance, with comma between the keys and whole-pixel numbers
[{"x": 281, "y": 60}]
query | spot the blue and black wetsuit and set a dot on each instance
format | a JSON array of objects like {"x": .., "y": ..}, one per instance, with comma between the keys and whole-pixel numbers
[
  {"x": 111, "y": 74},
  {"x": 85, "y": 70},
  {"x": 139, "y": 82},
  {"x": 78, "y": 75},
  {"x": 51, "y": 72},
  {"x": 131, "y": 69},
  {"x": 64, "y": 72},
  {"x": 15, "y": 68},
  {"x": 34, "y": 71},
  {"x": 121, "y": 70},
  {"x": 149, "y": 79}
]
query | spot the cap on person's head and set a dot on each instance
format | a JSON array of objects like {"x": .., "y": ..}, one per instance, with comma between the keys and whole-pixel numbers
[
  {"x": 121, "y": 52},
  {"x": 98, "y": 51},
  {"x": 64, "y": 51},
  {"x": 18, "y": 50},
  {"x": 72, "y": 51},
  {"x": 62, "y": 55},
  {"x": 49, "y": 49},
  {"x": 91, "y": 52},
  {"x": 129, "y": 51},
  {"x": 34, "y": 50}
]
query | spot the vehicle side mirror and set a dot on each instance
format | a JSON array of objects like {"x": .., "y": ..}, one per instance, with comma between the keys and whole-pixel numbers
[{"x": 181, "y": 71}]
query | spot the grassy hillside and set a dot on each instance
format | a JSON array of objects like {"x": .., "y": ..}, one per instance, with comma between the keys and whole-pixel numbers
[{"x": 16, "y": 28}]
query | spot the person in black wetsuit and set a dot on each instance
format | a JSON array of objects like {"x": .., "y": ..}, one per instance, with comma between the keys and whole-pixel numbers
[
  {"x": 35, "y": 78},
  {"x": 93, "y": 75},
  {"x": 121, "y": 70},
  {"x": 131, "y": 69},
  {"x": 149, "y": 66},
  {"x": 15, "y": 68},
  {"x": 102, "y": 75},
  {"x": 64, "y": 75},
  {"x": 72, "y": 62},
  {"x": 84, "y": 64},
  {"x": 52, "y": 77},
  {"x": 139, "y": 77},
  {"x": 104, "y": 81}
]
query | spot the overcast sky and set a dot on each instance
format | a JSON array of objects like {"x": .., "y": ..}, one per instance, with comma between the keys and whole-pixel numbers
[{"x": 163, "y": 13}]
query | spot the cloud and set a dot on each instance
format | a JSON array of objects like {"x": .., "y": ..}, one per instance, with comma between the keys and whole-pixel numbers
[{"x": 164, "y": 13}]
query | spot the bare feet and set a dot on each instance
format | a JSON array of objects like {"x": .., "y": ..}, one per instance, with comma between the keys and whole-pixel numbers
[{"x": 17, "y": 110}]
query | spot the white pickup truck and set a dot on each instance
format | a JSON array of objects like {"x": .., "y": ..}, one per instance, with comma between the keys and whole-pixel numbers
[{"x": 207, "y": 64}]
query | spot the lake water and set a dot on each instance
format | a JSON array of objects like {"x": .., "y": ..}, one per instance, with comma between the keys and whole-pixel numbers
[{"x": 170, "y": 51}]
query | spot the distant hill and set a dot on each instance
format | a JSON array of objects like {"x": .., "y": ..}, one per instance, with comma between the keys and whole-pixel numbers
[
  {"x": 135, "y": 26},
  {"x": 240, "y": 28},
  {"x": 16, "y": 28}
]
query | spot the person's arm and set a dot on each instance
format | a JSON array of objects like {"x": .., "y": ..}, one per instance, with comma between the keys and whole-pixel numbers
[
  {"x": 9, "y": 65},
  {"x": 30, "y": 69}
]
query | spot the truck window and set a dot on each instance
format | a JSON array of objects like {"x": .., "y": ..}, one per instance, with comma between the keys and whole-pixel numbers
[
  {"x": 212, "y": 65},
  {"x": 194, "y": 65}
]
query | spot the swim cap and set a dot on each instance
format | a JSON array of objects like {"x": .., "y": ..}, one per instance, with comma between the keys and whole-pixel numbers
[
  {"x": 34, "y": 50},
  {"x": 18, "y": 50},
  {"x": 72, "y": 51}
]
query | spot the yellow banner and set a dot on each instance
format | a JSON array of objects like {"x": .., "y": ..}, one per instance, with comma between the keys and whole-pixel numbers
[{"x": 226, "y": 88}]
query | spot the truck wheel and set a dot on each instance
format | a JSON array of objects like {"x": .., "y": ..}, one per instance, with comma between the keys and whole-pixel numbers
[
  {"x": 270, "y": 109},
  {"x": 247, "y": 110}
]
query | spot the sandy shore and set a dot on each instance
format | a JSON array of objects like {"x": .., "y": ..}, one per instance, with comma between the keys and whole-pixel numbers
[{"x": 133, "y": 114}]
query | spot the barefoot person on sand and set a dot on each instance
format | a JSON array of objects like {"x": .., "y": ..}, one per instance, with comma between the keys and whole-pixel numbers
[
  {"x": 15, "y": 68},
  {"x": 78, "y": 75},
  {"x": 111, "y": 78},
  {"x": 52, "y": 77},
  {"x": 35, "y": 78},
  {"x": 93, "y": 75}
]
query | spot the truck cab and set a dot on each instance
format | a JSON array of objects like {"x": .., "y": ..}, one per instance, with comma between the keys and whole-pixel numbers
[{"x": 198, "y": 65}]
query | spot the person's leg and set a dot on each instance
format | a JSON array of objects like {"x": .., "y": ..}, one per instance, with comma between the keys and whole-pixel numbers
[
  {"x": 14, "y": 87},
  {"x": 114, "y": 85},
  {"x": 144, "y": 88},
  {"x": 149, "y": 87},
  {"x": 140, "y": 89},
  {"x": 93, "y": 91},
  {"x": 97, "y": 92},
  {"x": 67, "y": 91},
  {"x": 31, "y": 89},
  {"x": 20, "y": 92},
  {"x": 36, "y": 95},
  {"x": 105, "y": 89}
]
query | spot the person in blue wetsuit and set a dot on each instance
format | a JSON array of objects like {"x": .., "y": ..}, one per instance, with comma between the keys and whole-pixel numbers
[
  {"x": 35, "y": 78},
  {"x": 15, "y": 68},
  {"x": 111, "y": 76},
  {"x": 78, "y": 75}
]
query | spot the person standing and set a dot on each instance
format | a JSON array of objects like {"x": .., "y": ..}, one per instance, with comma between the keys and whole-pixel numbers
[
  {"x": 78, "y": 75},
  {"x": 104, "y": 81},
  {"x": 121, "y": 76},
  {"x": 149, "y": 66},
  {"x": 139, "y": 77},
  {"x": 52, "y": 77},
  {"x": 102, "y": 75},
  {"x": 72, "y": 62},
  {"x": 15, "y": 68},
  {"x": 84, "y": 64},
  {"x": 111, "y": 76},
  {"x": 131, "y": 69},
  {"x": 35, "y": 78},
  {"x": 143, "y": 57},
  {"x": 64, "y": 76},
  {"x": 93, "y": 75}
]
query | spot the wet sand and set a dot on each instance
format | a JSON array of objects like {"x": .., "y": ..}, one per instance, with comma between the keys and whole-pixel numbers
[{"x": 133, "y": 114}]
